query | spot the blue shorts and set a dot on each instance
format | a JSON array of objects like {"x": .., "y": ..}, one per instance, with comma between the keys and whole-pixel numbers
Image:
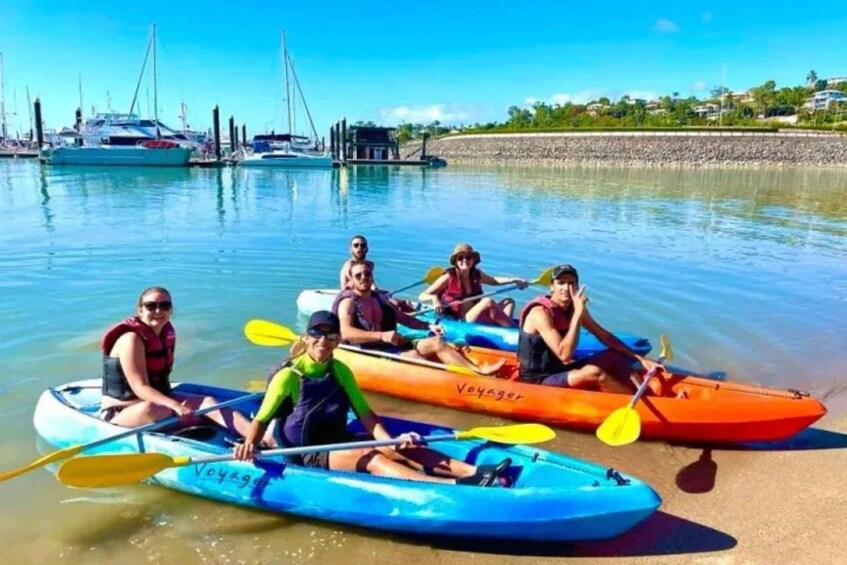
[{"x": 560, "y": 379}]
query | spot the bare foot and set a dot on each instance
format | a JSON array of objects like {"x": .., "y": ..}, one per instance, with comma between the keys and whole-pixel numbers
[{"x": 491, "y": 368}]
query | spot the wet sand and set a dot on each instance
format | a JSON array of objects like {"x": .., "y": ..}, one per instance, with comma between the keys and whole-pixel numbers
[{"x": 782, "y": 502}]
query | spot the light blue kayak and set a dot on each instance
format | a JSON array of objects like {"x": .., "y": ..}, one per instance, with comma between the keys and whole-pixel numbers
[
  {"x": 554, "y": 497},
  {"x": 478, "y": 335}
]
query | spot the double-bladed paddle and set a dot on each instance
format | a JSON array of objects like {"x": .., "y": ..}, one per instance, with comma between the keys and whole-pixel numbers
[
  {"x": 545, "y": 278},
  {"x": 76, "y": 449},
  {"x": 623, "y": 426},
  {"x": 430, "y": 277},
  {"x": 263, "y": 332},
  {"x": 98, "y": 471}
]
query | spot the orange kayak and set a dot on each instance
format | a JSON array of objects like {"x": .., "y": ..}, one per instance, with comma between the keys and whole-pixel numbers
[{"x": 687, "y": 408}]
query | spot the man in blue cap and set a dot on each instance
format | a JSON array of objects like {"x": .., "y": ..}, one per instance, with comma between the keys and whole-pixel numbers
[{"x": 549, "y": 335}]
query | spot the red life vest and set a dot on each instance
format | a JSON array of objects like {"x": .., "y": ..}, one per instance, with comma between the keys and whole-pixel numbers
[
  {"x": 561, "y": 321},
  {"x": 455, "y": 291},
  {"x": 158, "y": 358}
]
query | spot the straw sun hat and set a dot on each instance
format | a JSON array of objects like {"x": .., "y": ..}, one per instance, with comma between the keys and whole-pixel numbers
[{"x": 464, "y": 248}]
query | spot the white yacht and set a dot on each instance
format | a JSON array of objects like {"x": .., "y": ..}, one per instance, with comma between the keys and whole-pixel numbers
[
  {"x": 122, "y": 139},
  {"x": 287, "y": 150},
  {"x": 286, "y": 157},
  {"x": 150, "y": 153}
]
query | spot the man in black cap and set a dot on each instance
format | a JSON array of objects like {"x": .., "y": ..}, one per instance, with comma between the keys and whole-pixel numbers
[{"x": 549, "y": 334}]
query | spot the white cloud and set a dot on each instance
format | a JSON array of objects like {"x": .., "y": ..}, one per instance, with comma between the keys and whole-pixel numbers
[
  {"x": 707, "y": 17},
  {"x": 699, "y": 85},
  {"x": 424, "y": 114},
  {"x": 664, "y": 26},
  {"x": 563, "y": 98}
]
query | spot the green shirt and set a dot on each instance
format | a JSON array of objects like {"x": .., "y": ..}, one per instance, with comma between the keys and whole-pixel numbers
[{"x": 286, "y": 384}]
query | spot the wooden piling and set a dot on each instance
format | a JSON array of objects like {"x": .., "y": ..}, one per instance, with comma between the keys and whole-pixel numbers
[
  {"x": 216, "y": 124},
  {"x": 39, "y": 127},
  {"x": 244, "y": 135},
  {"x": 344, "y": 140},
  {"x": 231, "y": 135}
]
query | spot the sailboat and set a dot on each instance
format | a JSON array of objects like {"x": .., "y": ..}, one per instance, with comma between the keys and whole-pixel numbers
[
  {"x": 123, "y": 139},
  {"x": 287, "y": 150}
]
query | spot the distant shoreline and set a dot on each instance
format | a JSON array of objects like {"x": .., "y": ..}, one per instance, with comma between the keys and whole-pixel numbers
[{"x": 644, "y": 148}]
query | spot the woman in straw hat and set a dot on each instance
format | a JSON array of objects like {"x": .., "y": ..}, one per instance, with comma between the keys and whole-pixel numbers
[{"x": 464, "y": 280}]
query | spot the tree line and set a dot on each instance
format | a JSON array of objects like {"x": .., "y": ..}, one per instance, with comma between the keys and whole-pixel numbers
[{"x": 719, "y": 107}]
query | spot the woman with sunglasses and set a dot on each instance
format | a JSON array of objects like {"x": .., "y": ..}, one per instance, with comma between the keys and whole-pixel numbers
[
  {"x": 308, "y": 397},
  {"x": 464, "y": 280},
  {"x": 138, "y": 355}
]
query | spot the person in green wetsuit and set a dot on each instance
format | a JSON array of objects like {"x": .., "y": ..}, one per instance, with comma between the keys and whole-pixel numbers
[{"x": 307, "y": 401}]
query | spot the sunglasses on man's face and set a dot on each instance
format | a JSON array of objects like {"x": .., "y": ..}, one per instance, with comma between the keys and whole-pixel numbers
[
  {"x": 363, "y": 276},
  {"x": 360, "y": 245},
  {"x": 319, "y": 332},
  {"x": 152, "y": 306}
]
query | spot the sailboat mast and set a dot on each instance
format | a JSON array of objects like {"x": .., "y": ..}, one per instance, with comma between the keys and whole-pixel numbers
[
  {"x": 29, "y": 107},
  {"x": 155, "y": 89},
  {"x": 287, "y": 85},
  {"x": 81, "y": 107},
  {"x": 2, "y": 99}
]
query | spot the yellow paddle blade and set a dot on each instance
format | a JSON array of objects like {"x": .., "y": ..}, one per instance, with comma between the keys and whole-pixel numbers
[
  {"x": 257, "y": 386},
  {"x": 433, "y": 274},
  {"x": 42, "y": 461},
  {"x": 99, "y": 471},
  {"x": 458, "y": 369},
  {"x": 263, "y": 332},
  {"x": 667, "y": 351},
  {"x": 621, "y": 427},
  {"x": 545, "y": 278},
  {"x": 518, "y": 433}
]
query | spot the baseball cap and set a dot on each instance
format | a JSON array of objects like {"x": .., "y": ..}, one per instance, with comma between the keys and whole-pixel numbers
[
  {"x": 324, "y": 318},
  {"x": 565, "y": 269}
]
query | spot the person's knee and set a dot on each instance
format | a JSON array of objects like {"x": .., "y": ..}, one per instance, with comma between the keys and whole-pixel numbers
[
  {"x": 589, "y": 376},
  {"x": 430, "y": 344},
  {"x": 207, "y": 402},
  {"x": 486, "y": 302}
]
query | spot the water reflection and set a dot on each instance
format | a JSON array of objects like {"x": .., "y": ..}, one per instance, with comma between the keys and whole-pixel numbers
[{"x": 45, "y": 200}]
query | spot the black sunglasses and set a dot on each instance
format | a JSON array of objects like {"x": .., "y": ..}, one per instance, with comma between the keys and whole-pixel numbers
[
  {"x": 164, "y": 305},
  {"x": 364, "y": 275},
  {"x": 358, "y": 245},
  {"x": 318, "y": 333}
]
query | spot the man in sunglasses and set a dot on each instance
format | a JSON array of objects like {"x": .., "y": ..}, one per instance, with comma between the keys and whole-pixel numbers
[
  {"x": 549, "y": 334},
  {"x": 370, "y": 321},
  {"x": 358, "y": 252}
]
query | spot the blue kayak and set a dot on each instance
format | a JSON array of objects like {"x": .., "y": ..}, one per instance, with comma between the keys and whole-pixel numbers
[
  {"x": 478, "y": 335},
  {"x": 553, "y": 497}
]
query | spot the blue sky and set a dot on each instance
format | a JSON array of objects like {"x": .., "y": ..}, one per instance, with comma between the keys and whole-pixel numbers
[{"x": 459, "y": 62}]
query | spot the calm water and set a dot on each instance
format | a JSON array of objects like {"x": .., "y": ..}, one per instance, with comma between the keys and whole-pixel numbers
[{"x": 745, "y": 270}]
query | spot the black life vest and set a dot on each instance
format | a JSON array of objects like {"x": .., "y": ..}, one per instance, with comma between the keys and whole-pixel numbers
[{"x": 536, "y": 359}]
